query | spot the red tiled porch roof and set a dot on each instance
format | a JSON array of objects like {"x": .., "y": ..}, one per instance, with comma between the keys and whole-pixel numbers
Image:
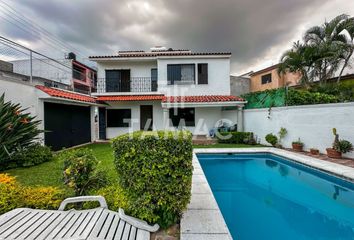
[
  {"x": 201, "y": 99},
  {"x": 130, "y": 98},
  {"x": 54, "y": 92}
]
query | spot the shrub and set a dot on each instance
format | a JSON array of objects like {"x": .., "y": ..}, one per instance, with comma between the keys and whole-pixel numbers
[
  {"x": 115, "y": 198},
  {"x": 30, "y": 156},
  {"x": 13, "y": 195},
  {"x": 304, "y": 97},
  {"x": 272, "y": 139},
  {"x": 343, "y": 146},
  {"x": 80, "y": 171},
  {"x": 236, "y": 137},
  {"x": 155, "y": 172},
  {"x": 17, "y": 130}
]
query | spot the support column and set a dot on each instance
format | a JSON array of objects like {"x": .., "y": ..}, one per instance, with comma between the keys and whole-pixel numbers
[
  {"x": 240, "y": 118},
  {"x": 165, "y": 118}
]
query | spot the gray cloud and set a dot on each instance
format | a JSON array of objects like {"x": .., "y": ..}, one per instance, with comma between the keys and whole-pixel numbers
[{"x": 255, "y": 31}]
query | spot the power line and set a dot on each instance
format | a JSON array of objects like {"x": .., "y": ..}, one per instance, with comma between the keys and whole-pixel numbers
[
  {"x": 44, "y": 59},
  {"x": 24, "y": 21}
]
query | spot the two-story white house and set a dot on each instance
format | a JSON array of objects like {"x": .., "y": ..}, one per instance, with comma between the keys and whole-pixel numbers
[{"x": 163, "y": 89}]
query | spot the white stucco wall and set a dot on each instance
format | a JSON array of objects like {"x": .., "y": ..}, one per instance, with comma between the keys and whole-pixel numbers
[
  {"x": 218, "y": 77},
  {"x": 218, "y": 74},
  {"x": 312, "y": 124}
]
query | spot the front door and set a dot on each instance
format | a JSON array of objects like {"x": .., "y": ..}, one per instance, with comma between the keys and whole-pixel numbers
[{"x": 146, "y": 117}]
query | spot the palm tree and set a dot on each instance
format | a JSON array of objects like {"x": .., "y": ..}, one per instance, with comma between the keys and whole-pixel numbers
[
  {"x": 346, "y": 29},
  {"x": 326, "y": 49},
  {"x": 299, "y": 59},
  {"x": 331, "y": 45}
]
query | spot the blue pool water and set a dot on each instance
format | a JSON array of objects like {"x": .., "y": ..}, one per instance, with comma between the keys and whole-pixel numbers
[{"x": 263, "y": 196}]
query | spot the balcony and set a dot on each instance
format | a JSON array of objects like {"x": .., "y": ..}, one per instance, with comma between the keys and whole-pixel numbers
[{"x": 133, "y": 84}]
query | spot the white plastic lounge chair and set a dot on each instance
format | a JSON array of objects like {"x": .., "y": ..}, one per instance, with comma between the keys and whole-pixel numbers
[{"x": 97, "y": 223}]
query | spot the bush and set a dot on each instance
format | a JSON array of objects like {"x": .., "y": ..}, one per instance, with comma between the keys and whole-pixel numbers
[
  {"x": 17, "y": 130},
  {"x": 304, "y": 97},
  {"x": 236, "y": 137},
  {"x": 30, "y": 156},
  {"x": 115, "y": 198},
  {"x": 155, "y": 173},
  {"x": 343, "y": 146},
  {"x": 13, "y": 195},
  {"x": 272, "y": 139},
  {"x": 80, "y": 171}
]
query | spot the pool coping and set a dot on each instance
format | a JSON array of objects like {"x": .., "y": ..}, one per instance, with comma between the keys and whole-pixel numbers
[{"x": 203, "y": 218}]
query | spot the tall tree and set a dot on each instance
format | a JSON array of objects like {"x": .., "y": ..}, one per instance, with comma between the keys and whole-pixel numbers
[{"x": 326, "y": 49}]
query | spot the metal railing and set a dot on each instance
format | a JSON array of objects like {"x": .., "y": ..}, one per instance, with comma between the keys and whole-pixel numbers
[{"x": 134, "y": 84}]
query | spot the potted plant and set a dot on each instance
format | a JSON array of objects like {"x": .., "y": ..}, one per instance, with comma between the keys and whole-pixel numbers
[
  {"x": 338, "y": 146},
  {"x": 298, "y": 145},
  {"x": 314, "y": 151}
]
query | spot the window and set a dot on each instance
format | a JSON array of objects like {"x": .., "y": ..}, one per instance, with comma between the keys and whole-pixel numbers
[
  {"x": 202, "y": 73},
  {"x": 180, "y": 73},
  {"x": 267, "y": 78},
  {"x": 182, "y": 115},
  {"x": 118, "y": 117},
  {"x": 153, "y": 79}
]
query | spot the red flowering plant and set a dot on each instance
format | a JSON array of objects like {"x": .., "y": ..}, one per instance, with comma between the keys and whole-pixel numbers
[{"x": 18, "y": 130}]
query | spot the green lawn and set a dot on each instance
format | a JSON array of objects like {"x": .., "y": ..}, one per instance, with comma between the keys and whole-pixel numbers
[{"x": 50, "y": 173}]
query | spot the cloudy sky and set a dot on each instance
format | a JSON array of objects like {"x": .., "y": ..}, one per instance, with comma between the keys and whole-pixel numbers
[{"x": 257, "y": 32}]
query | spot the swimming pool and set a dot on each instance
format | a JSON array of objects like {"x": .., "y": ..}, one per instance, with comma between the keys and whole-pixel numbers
[{"x": 264, "y": 196}]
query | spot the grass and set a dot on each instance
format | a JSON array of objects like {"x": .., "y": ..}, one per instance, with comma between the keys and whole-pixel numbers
[{"x": 50, "y": 173}]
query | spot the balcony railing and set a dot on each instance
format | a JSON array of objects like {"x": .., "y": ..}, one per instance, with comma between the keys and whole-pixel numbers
[{"x": 134, "y": 84}]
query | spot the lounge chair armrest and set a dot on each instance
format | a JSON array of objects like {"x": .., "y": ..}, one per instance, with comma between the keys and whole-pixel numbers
[
  {"x": 100, "y": 199},
  {"x": 137, "y": 222}
]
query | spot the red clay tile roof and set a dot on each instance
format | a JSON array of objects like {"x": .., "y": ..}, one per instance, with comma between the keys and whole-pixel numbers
[
  {"x": 156, "y": 54},
  {"x": 54, "y": 92},
  {"x": 130, "y": 98},
  {"x": 194, "y": 99}
]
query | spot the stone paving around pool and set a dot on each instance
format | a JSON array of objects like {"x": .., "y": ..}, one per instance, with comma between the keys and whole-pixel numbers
[
  {"x": 343, "y": 161},
  {"x": 203, "y": 219}
]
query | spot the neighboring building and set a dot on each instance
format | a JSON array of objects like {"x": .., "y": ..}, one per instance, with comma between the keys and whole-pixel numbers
[
  {"x": 6, "y": 73},
  {"x": 67, "y": 71},
  {"x": 240, "y": 84},
  {"x": 165, "y": 88},
  {"x": 268, "y": 78}
]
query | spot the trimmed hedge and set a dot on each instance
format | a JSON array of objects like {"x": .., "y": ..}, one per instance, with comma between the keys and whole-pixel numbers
[
  {"x": 155, "y": 173},
  {"x": 236, "y": 137}
]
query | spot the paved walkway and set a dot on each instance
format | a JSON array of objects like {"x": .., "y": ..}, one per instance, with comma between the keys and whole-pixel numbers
[{"x": 349, "y": 162}]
